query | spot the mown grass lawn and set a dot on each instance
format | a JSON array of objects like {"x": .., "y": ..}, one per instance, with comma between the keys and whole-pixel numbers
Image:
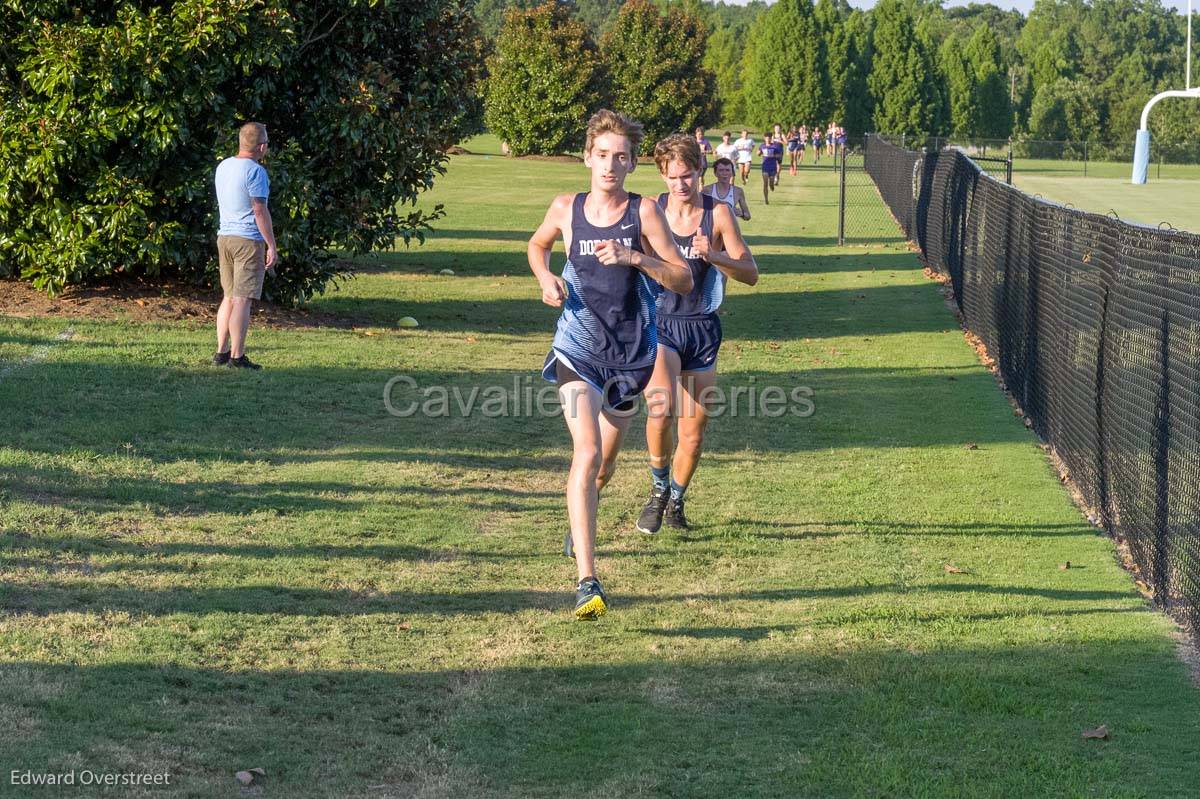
[
  {"x": 1174, "y": 202},
  {"x": 203, "y": 571}
]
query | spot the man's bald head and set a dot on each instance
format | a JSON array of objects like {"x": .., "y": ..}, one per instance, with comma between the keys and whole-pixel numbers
[{"x": 251, "y": 135}]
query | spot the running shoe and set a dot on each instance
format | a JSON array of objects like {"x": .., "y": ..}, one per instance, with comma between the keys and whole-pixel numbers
[
  {"x": 675, "y": 517},
  {"x": 651, "y": 518},
  {"x": 243, "y": 363},
  {"x": 590, "y": 601}
]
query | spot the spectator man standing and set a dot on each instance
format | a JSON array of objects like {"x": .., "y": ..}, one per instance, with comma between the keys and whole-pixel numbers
[{"x": 245, "y": 242}]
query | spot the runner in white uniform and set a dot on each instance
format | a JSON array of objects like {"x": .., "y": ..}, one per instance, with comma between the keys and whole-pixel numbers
[
  {"x": 725, "y": 191},
  {"x": 745, "y": 154}
]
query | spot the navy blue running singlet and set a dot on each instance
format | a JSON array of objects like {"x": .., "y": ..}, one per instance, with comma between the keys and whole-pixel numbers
[
  {"x": 608, "y": 317},
  {"x": 708, "y": 289}
]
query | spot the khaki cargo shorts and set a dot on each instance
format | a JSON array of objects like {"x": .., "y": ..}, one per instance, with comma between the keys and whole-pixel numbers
[{"x": 243, "y": 264}]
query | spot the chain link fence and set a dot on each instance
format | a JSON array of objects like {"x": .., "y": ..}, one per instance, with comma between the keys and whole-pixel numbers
[
  {"x": 1094, "y": 325},
  {"x": 863, "y": 215}
]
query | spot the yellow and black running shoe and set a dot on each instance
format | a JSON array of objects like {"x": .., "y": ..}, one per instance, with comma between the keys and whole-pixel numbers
[{"x": 590, "y": 601}]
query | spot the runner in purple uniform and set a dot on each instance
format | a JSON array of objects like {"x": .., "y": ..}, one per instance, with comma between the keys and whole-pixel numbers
[{"x": 772, "y": 158}]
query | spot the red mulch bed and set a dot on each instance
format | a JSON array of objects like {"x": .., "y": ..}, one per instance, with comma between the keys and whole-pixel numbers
[{"x": 145, "y": 301}]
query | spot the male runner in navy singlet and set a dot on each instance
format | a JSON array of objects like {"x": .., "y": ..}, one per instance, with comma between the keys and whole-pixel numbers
[
  {"x": 689, "y": 330},
  {"x": 605, "y": 343}
]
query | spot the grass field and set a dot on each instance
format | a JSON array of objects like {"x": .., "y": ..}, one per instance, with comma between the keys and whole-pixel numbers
[
  {"x": 1174, "y": 201},
  {"x": 1170, "y": 195},
  {"x": 203, "y": 571}
]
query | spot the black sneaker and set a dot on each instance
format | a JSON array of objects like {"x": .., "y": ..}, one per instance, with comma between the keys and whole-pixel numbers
[
  {"x": 652, "y": 513},
  {"x": 243, "y": 363},
  {"x": 590, "y": 601},
  {"x": 675, "y": 517},
  {"x": 221, "y": 358}
]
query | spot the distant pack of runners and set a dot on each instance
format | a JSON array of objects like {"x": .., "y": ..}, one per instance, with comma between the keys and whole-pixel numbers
[{"x": 817, "y": 140}]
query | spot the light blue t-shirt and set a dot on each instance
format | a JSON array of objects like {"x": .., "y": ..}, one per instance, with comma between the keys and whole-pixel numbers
[{"x": 239, "y": 179}]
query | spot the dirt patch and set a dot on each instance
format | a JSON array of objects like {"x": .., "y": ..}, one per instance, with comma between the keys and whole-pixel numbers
[
  {"x": 144, "y": 301},
  {"x": 454, "y": 149}
]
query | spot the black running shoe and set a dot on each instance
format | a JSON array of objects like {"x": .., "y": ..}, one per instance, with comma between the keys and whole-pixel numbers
[
  {"x": 221, "y": 358},
  {"x": 675, "y": 517},
  {"x": 243, "y": 363},
  {"x": 652, "y": 513},
  {"x": 590, "y": 601}
]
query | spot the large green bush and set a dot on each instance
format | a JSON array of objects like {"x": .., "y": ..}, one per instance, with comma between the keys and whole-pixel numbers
[
  {"x": 544, "y": 81},
  {"x": 656, "y": 68},
  {"x": 113, "y": 116}
]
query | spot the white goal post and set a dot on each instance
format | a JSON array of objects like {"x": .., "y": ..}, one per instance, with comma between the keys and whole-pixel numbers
[{"x": 1141, "y": 146}]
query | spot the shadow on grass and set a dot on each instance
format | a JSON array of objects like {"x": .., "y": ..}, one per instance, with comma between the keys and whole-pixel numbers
[
  {"x": 513, "y": 264},
  {"x": 744, "y": 634},
  {"x": 742, "y": 715},
  {"x": 9, "y": 337},
  {"x": 493, "y": 234},
  {"x": 882, "y": 235},
  {"x": 333, "y": 409},
  {"x": 764, "y": 315},
  {"x": 339, "y": 415},
  {"x": 49, "y": 597},
  {"x": 825, "y": 528},
  {"x": 69, "y": 488},
  {"x": 13, "y": 545}
]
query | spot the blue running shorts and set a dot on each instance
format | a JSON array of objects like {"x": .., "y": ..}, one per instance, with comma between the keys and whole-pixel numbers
[
  {"x": 619, "y": 388},
  {"x": 697, "y": 339}
]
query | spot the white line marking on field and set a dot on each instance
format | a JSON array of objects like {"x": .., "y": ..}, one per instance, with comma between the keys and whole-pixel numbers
[{"x": 38, "y": 353}]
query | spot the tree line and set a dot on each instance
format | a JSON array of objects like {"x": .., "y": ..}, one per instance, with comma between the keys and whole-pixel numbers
[
  {"x": 1077, "y": 70},
  {"x": 114, "y": 114}
]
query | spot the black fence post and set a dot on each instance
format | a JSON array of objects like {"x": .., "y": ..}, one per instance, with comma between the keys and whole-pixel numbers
[
  {"x": 1008, "y": 165},
  {"x": 1160, "y": 559},
  {"x": 1085, "y": 158},
  {"x": 842, "y": 201}
]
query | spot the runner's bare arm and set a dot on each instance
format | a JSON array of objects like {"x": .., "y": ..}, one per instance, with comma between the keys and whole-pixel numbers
[
  {"x": 541, "y": 244},
  {"x": 661, "y": 262},
  {"x": 728, "y": 251},
  {"x": 743, "y": 206},
  {"x": 668, "y": 268}
]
